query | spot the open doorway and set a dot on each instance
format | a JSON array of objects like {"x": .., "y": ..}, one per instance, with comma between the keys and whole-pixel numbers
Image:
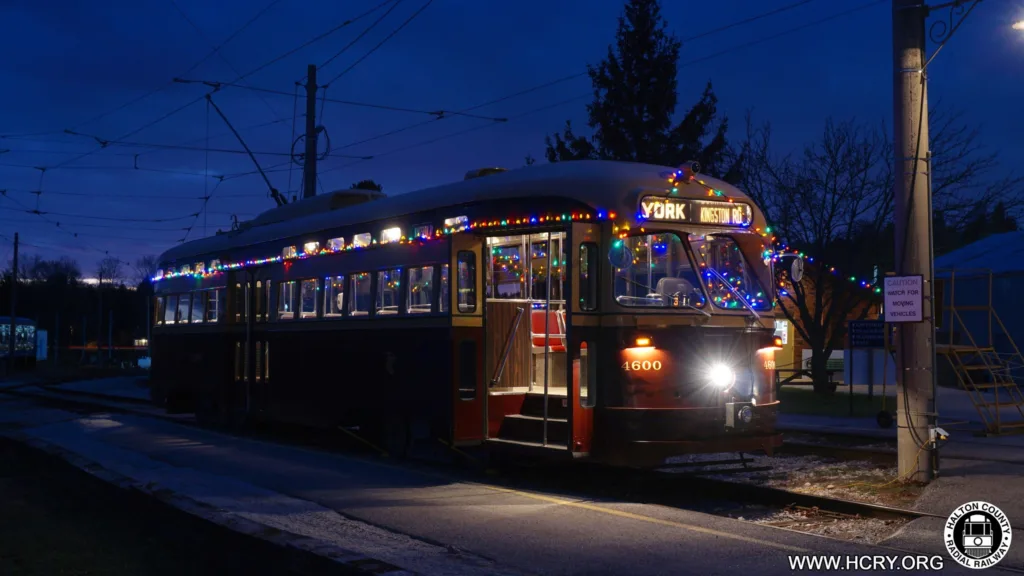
[{"x": 525, "y": 319}]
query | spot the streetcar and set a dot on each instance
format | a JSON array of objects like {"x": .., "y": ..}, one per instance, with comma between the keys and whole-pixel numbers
[{"x": 617, "y": 312}]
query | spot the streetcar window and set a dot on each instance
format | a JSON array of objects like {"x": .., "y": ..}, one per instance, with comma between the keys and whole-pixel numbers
[
  {"x": 170, "y": 308},
  {"x": 159, "y": 312},
  {"x": 446, "y": 295},
  {"x": 215, "y": 305},
  {"x": 466, "y": 282},
  {"x": 259, "y": 304},
  {"x": 259, "y": 361},
  {"x": 420, "y": 296},
  {"x": 334, "y": 296},
  {"x": 198, "y": 307},
  {"x": 506, "y": 279},
  {"x": 588, "y": 276},
  {"x": 551, "y": 247},
  {"x": 726, "y": 274},
  {"x": 361, "y": 295},
  {"x": 289, "y": 252},
  {"x": 336, "y": 244},
  {"x": 286, "y": 301},
  {"x": 184, "y": 306},
  {"x": 240, "y": 301},
  {"x": 307, "y": 299},
  {"x": 422, "y": 231},
  {"x": 389, "y": 235},
  {"x": 362, "y": 240},
  {"x": 263, "y": 301},
  {"x": 311, "y": 248},
  {"x": 388, "y": 290},
  {"x": 653, "y": 270}
]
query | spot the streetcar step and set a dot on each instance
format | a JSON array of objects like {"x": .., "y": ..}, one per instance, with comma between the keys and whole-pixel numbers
[
  {"x": 531, "y": 429},
  {"x": 533, "y": 405}
]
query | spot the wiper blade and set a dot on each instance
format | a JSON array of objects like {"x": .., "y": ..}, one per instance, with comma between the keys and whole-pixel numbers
[{"x": 736, "y": 293}]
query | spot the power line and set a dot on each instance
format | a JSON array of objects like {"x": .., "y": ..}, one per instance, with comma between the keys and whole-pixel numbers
[
  {"x": 313, "y": 40},
  {"x": 38, "y": 212},
  {"x": 581, "y": 96},
  {"x": 165, "y": 86},
  {"x": 132, "y": 133},
  {"x": 748, "y": 20},
  {"x": 105, "y": 194},
  {"x": 439, "y": 113},
  {"x": 108, "y": 226},
  {"x": 179, "y": 147},
  {"x": 217, "y": 48},
  {"x": 461, "y": 132},
  {"x": 360, "y": 36},
  {"x": 381, "y": 43},
  {"x": 228, "y": 133}
]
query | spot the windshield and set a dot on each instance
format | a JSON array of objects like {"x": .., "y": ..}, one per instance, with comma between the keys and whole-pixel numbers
[
  {"x": 654, "y": 270},
  {"x": 720, "y": 261}
]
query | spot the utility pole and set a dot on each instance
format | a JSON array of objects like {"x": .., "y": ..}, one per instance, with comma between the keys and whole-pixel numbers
[
  {"x": 309, "y": 168},
  {"x": 915, "y": 359},
  {"x": 14, "y": 312}
]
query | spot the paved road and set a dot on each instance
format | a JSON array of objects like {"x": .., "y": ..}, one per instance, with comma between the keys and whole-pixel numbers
[
  {"x": 56, "y": 519},
  {"x": 527, "y": 531}
]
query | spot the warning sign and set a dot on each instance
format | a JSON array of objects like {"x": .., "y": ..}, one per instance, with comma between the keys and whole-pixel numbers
[{"x": 904, "y": 298}]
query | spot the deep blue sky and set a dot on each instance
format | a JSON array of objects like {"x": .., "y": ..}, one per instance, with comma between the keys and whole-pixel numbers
[{"x": 65, "y": 64}]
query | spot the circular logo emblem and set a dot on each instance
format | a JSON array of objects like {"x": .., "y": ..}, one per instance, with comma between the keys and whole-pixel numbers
[{"x": 977, "y": 535}]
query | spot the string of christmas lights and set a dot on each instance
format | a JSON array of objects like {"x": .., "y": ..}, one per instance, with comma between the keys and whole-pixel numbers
[{"x": 290, "y": 253}]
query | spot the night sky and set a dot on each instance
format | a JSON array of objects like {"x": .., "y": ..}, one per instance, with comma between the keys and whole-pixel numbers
[{"x": 66, "y": 63}]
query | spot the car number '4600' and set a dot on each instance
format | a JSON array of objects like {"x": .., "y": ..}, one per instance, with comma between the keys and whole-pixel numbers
[{"x": 640, "y": 365}]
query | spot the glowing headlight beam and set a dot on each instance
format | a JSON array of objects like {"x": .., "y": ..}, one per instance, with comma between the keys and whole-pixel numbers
[{"x": 721, "y": 376}]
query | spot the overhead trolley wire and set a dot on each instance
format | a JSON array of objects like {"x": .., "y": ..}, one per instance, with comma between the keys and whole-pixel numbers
[
  {"x": 314, "y": 39},
  {"x": 360, "y": 36},
  {"x": 589, "y": 94},
  {"x": 382, "y": 42},
  {"x": 93, "y": 217},
  {"x": 218, "y": 85}
]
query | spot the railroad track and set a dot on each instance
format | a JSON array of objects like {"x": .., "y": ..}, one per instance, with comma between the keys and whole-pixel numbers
[{"x": 645, "y": 486}]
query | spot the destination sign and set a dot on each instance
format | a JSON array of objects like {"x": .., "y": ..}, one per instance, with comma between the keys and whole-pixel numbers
[{"x": 662, "y": 209}]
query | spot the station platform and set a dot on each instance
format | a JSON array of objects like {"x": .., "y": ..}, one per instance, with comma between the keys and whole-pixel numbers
[{"x": 404, "y": 519}]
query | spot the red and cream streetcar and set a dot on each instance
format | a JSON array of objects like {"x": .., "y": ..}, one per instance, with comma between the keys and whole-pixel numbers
[{"x": 618, "y": 312}]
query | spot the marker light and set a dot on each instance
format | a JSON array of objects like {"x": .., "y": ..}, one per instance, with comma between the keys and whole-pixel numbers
[
  {"x": 746, "y": 414},
  {"x": 643, "y": 342},
  {"x": 777, "y": 342},
  {"x": 721, "y": 376}
]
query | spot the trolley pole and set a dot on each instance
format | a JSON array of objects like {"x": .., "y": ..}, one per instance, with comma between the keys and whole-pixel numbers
[
  {"x": 14, "y": 313},
  {"x": 309, "y": 166},
  {"x": 915, "y": 360}
]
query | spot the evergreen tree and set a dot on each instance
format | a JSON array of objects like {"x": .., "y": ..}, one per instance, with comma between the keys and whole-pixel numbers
[
  {"x": 635, "y": 98},
  {"x": 367, "y": 185}
]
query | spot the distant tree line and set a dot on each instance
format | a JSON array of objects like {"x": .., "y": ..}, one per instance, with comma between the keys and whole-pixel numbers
[{"x": 53, "y": 290}]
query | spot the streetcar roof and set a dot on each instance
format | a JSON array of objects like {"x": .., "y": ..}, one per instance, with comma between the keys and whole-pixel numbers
[{"x": 600, "y": 184}]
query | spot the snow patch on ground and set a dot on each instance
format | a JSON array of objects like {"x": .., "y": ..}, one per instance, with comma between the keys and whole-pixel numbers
[
  {"x": 859, "y": 481},
  {"x": 268, "y": 508}
]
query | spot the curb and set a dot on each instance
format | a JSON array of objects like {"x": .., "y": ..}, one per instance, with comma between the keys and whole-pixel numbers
[
  {"x": 56, "y": 389},
  {"x": 353, "y": 562}
]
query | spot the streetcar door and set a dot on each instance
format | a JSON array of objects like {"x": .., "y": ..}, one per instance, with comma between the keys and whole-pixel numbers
[
  {"x": 257, "y": 343},
  {"x": 464, "y": 301},
  {"x": 239, "y": 309},
  {"x": 583, "y": 261}
]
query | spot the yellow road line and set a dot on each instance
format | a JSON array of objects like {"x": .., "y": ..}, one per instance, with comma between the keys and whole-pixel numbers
[{"x": 649, "y": 519}]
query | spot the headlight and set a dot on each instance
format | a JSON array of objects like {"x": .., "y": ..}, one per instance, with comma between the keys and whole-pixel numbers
[{"x": 721, "y": 376}]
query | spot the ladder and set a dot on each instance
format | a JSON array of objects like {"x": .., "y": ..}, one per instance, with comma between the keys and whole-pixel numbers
[{"x": 982, "y": 370}]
